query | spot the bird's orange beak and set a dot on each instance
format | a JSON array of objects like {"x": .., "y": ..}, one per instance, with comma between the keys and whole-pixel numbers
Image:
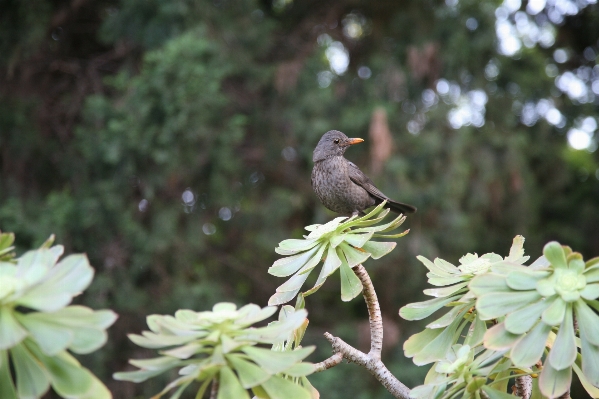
[{"x": 354, "y": 141}]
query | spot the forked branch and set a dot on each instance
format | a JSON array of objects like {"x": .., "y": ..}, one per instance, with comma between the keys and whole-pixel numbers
[{"x": 371, "y": 361}]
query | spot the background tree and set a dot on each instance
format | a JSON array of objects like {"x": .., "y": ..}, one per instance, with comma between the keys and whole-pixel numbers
[{"x": 172, "y": 141}]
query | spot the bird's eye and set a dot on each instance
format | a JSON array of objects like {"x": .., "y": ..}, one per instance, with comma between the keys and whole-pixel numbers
[{"x": 336, "y": 141}]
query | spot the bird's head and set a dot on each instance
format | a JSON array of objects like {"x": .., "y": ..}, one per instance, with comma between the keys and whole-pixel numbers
[{"x": 332, "y": 143}]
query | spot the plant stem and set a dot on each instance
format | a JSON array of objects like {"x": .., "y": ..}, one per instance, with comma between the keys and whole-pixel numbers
[
  {"x": 524, "y": 386},
  {"x": 214, "y": 389},
  {"x": 371, "y": 361}
]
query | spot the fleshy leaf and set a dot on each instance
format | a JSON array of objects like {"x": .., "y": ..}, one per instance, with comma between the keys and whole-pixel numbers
[
  {"x": 555, "y": 255},
  {"x": 11, "y": 332},
  {"x": 523, "y": 319},
  {"x": 553, "y": 383},
  {"x": 529, "y": 349},
  {"x": 229, "y": 386},
  {"x": 555, "y": 313},
  {"x": 280, "y": 388},
  {"x": 250, "y": 375},
  {"x": 421, "y": 310},
  {"x": 276, "y": 362},
  {"x": 351, "y": 286},
  {"x": 563, "y": 351},
  {"x": 498, "y": 338},
  {"x": 493, "y": 305},
  {"x": 378, "y": 249}
]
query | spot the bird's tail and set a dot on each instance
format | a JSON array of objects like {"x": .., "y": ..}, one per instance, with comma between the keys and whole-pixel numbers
[{"x": 399, "y": 207}]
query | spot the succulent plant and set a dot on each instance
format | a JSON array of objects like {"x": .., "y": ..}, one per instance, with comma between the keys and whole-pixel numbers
[
  {"x": 431, "y": 344},
  {"x": 343, "y": 243},
  {"x": 221, "y": 345},
  {"x": 537, "y": 307},
  {"x": 462, "y": 373},
  {"x": 37, "y": 327}
]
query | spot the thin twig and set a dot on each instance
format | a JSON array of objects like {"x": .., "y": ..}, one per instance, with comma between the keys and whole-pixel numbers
[
  {"x": 332, "y": 361},
  {"x": 371, "y": 361}
]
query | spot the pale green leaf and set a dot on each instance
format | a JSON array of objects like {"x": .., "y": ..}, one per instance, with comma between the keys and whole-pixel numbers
[
  {"x": 529, "y": 349},
  {"x": 591, "y": 291},
  {"x": 229, "y": 386},
  {"x": 33, "y": 265},
  {"x": 448, "y": 317},
  {"x": 293, "y": 246},
  {"x": 161, "y": 363},
  {"x": 52, "y": 338},
  {"x": 280, "y": 388},
  {"x": 487, "y": 283},
  {"x": 417, "y": 342},
  {"x": 276, "y": 362},
  {"x": 519, "y": 280},
  {"x": 351, "y": 286},
  {"x": 588, "y": 321},
  {"x": 136, "y": 376},
  {"x": 523, "y": 319},
  {"x": 357, "y": 240},
  {"x": 554, "y": 253},
  {"x": 32, "y": 381},
  {"x": 497, "y": 304},
  {"x": 446, "y": 266},
  {"x": 445, "y": 291},
  {"x": 591, "y": 274},
  {"x": 331, "y": 263},
  {"x": 421, "y": 310},
  {"x": 250, "y": 375},
  {"x": 435, "y": 269},
  {"x": 517, "y": 249},
  {"x": 287, "y": 266},
  {"x": 563, "y": 351},
  {"x": 477, "y": 332},
  {"x": 67, "y": 378},
  {"x": 378, "y": 249},
  {"x": 294, "y": 284},
  {"x": 555, "y": 313},
  {"x": 300, "y": 370},
  {"x": 354, "y": 256},
  {"x": 498, "y": 338},
  {"x": 280, "y": 298},
  {"x": 7, "y": 386},
  {"x": 590, "y": 361},
  {"x": 11, "y": 331},
  {"x": 438, "y": 347},
  {"x": 553, "y": 383}
]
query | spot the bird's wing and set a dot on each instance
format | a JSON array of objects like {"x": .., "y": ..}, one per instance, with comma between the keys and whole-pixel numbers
[{"x": 359, "y": 178}]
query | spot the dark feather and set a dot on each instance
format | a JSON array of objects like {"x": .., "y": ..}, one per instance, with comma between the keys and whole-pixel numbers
[{"x": 359, "y": 178}]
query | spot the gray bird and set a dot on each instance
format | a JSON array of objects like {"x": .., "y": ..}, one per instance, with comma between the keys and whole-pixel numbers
[{"x": 340, "y": 185}]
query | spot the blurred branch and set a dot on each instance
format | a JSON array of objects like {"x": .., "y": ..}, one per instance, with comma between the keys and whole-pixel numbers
[
  {"x": 524, "y": 386},
  {"x": 371, "y": 361}
]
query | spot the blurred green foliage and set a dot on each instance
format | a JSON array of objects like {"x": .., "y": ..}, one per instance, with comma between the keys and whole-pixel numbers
[{"x": 172, "y": 142}]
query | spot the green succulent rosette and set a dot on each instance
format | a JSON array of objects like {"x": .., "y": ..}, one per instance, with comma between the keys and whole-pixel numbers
[
  {"x": 452, "y": 281},
  {"x": 38, "y": 328},
  {"x": 343, "y": 243},
  {"x": 221, "y": 345},
  {"x": 462, "y": 373},
  {"x": 537, "y": 307}
]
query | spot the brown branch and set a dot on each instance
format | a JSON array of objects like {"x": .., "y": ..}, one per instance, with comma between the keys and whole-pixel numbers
[
  {"x": 371, "y": 361},
  {"x": 524, "y": 386},
  {"x": 214, "y": 389},
  {"x": 374, "y": 312},
  {"x": 375, "y": 366}
]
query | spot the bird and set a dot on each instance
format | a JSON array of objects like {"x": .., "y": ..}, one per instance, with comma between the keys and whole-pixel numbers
[{"x": 340, "y": 185}]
